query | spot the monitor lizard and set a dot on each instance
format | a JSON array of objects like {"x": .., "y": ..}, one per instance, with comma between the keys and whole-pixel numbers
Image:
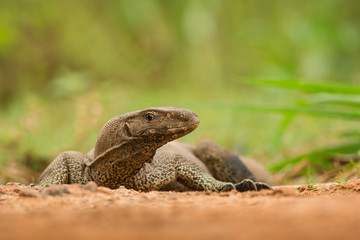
[{"x": 136, "y": 150}]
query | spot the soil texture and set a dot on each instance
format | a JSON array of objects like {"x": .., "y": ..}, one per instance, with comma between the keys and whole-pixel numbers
[{"x": 327, "y": 211}]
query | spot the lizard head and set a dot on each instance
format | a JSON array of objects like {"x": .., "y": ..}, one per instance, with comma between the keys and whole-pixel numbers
[
  {"x": 161, "y": 124},
  {"x": 150, "y": 128}
]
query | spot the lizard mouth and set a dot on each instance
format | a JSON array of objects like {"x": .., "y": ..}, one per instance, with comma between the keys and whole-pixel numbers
[
  {"x": 187, "y": 128},
  {"x": 183, "y": 130}
]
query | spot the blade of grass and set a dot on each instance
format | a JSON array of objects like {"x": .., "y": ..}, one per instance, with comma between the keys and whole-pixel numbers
[
  {"x": 335, "y": 100},
  {"x": 284, "y": 110},
  {"x": 305, "y": 86},
  {"x": 287, "y": 120},
  {"x": 346, "y": 148}
]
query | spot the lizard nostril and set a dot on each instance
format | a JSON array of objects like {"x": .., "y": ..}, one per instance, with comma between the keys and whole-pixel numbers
[{"x": 195, "y": 118}]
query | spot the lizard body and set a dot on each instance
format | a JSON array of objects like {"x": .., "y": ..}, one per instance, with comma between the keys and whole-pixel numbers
[{"x": 136, "y": 150}]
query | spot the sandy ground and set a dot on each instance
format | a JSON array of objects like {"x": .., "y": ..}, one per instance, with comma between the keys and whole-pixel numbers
[{"x": 90, "y": 212}]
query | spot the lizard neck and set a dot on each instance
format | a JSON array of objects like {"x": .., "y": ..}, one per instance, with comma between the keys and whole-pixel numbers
[{"x": 118, "y": 165}]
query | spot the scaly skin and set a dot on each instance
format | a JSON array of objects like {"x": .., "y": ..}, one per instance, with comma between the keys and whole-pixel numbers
[{"x": 130, "y": 152}]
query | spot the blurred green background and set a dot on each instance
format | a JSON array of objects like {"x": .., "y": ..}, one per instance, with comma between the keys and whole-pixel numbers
[{"x": 66, "y": 67}]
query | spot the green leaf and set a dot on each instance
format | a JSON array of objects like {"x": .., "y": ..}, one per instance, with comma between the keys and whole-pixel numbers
[
  {"x": 348, "y": 101},
  {"x": 350, "y": 147},
  {"x": 306, "y": 86},
  {"x": 287, "y": 120},
  {"x": 284, "y": 110}
]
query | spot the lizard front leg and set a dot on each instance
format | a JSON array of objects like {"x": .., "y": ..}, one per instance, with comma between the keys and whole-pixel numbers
[
  {"x": 68, "y": 167},
  {"x": 167, "y": 168}
]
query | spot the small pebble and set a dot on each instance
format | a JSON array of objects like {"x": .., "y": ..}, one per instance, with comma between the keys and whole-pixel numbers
[
  {"x": 90, "y": 186},
  {"x": 13, "y": 184},
  {"x": 54, "y": 190},
  {"x": 105, "y": 190},
  {"x": 29, "y": 193}
]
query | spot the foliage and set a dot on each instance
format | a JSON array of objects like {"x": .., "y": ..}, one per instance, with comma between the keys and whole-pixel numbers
[
  {"x": 310, "y": 185},
  {"x": 333, "y": 105}
]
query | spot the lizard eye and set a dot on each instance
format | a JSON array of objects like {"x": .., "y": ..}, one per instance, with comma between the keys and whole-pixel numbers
[{"x": 149, "y": 117}]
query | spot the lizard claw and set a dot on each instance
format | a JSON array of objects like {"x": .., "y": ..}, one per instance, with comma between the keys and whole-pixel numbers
[
  {"x": 227, "y": 187},
  {"x": 261, "y": 185},
  {"x": 246, "y": 185}
]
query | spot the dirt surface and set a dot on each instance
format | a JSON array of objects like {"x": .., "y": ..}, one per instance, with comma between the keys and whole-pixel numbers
[{"x": 91, "y": 212}]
